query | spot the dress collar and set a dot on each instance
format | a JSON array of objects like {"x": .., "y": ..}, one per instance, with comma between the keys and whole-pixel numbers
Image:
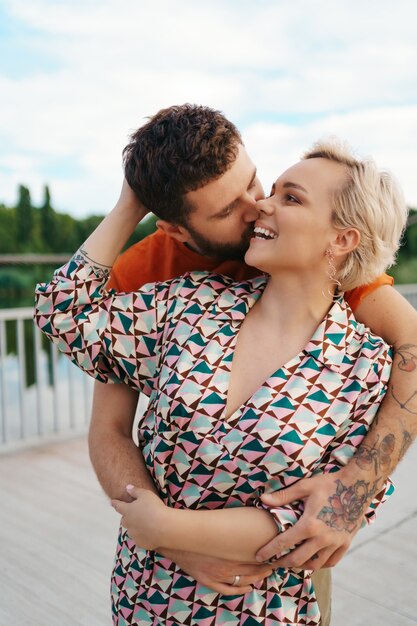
[{"x": 330, "y": 339}]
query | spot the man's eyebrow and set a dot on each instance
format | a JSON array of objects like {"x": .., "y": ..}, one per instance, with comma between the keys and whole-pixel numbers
[
  {"x": 294, "y": 186},
  {"x": 232, "y": 204}
]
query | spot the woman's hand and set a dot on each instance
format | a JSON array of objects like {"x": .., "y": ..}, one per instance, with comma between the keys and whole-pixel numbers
[
  {"x": 129, "y": 200},
  {"x": 145, "y": 519}
]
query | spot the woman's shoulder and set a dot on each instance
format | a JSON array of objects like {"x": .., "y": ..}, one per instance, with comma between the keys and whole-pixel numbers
[{"x": 362, "y": 342}]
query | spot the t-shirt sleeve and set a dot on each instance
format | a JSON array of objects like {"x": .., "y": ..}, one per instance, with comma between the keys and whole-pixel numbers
[
  {"x": 120, "y": 272},
  {"x": 355, "y": 296},
  {"x": 112, "y": 337}
]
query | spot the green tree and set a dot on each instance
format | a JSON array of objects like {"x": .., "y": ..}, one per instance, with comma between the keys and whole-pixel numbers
[
  {"x": 24, "y": 219},
  {"x": 48, "y": 221},
  {"x": 66, "y": 237},
  {"x": 8, "y": 244}
]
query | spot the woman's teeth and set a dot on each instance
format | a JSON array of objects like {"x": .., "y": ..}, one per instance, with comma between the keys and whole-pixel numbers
[{"x": 263, "y": 233}]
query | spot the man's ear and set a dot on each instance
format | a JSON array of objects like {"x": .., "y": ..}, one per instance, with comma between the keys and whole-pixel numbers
[
  {"x": 180, "y": 233},
  {"x": 345, "y": 241}
]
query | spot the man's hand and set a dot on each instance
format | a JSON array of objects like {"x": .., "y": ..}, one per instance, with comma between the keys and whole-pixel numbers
[{"x": 333, "y": 511}]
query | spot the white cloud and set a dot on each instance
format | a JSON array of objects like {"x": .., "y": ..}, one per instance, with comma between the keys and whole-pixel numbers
[
  {"x": 383, "y": 133},
  {"x": 269, "y": 66}
]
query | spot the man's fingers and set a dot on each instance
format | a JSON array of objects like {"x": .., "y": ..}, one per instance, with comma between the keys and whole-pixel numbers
[
  {"x": 318, "y": 559},
  {"x": 298, "y": 491},
  {"x": 335, "y": 556},
  {"x": 281, "y": 543},
  {"x": 310, "y": 555}
]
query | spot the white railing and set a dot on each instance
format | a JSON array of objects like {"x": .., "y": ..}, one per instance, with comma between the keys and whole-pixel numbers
[
  {"x": 56, "y": 399},
  {"x": 42, "y": 394}
]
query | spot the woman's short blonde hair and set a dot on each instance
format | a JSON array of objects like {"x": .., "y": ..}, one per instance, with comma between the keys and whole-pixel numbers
[{"x": 371, "y": 201}]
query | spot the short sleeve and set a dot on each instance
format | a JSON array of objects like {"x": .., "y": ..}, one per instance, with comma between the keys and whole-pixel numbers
[{"x": 355, "y": 296}]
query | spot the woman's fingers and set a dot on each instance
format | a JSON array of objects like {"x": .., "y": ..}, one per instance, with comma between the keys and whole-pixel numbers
[
  {"x": 241, "y": 581},
  {"x": 230, "y": 590}
]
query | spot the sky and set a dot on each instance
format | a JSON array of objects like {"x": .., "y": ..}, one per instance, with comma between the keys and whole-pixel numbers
[{"x": 78, "y": 76}]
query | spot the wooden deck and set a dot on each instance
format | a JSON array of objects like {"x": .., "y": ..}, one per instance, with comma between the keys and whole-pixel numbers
[
  {"x": 58, "y": 534},
  {"x": 57, "y": 539}
]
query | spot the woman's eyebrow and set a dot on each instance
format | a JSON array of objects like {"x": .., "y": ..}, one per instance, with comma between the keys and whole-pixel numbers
[{"x": 294, "y": 186}]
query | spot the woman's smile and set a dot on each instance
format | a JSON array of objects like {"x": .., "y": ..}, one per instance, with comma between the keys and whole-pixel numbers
[{"x": 264, "y": 233}]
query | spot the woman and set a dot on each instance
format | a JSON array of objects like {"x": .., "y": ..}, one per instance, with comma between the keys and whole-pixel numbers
[{"x": 252, "y": 385}]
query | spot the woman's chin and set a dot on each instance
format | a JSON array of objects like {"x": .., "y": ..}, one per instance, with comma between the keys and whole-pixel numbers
[{"x": 254, "y": 260}]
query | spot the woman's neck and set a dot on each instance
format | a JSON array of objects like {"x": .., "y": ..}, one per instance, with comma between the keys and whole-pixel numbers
[{"x": 295, "y": 302}]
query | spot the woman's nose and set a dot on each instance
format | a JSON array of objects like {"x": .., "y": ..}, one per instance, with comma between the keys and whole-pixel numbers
[{"x": 265, "y": 206}]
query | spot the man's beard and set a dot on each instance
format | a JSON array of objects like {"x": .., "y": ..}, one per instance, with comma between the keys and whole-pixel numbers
[{"x": 220, "y": 251}]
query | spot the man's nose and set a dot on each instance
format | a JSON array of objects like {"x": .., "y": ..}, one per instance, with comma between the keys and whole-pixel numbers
[{"x": 251, "y": 212}]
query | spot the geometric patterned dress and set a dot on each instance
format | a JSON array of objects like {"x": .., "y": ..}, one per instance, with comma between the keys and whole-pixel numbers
[{"x": 175, "y": 342}]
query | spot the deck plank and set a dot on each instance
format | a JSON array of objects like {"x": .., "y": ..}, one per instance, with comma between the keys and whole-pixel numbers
[
  {"x": 58, "y": 536},
  {"x": 57, "y": 539}
]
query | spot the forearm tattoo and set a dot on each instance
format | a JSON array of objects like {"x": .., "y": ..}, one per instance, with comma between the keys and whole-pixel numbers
[
  {"x": 405, "y": 444},
  {"x": 377, "y": 456},
  {"x": 348, "y": 505},
  {"x": 102, "y": 271},
  {"x": 407, "y": 354}
]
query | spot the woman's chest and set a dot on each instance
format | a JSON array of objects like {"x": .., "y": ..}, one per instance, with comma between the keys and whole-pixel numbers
[{"x": 280, "y": 431}]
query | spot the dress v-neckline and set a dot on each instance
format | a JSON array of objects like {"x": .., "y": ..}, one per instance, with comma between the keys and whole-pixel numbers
[{"x": 234, "y": 416}]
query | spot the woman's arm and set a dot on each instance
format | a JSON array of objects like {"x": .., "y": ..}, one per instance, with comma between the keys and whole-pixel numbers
[
  {"x": 107, "y": 240},
  {"x": 91, "y": 325},
  {"x": 234, "y": 534}
]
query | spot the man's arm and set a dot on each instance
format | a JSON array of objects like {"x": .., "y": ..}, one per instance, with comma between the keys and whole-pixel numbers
[
  {"x": 389, "y": 315},
  {"x": 115, "y": 457}
]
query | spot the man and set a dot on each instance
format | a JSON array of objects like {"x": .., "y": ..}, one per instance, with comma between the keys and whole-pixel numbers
[{"x": 189, "y": 167}]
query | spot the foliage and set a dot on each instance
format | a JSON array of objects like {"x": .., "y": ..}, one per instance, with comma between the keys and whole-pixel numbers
[
  {"x": 24, "y": 218},
  {"x": 26, "y": 228}
]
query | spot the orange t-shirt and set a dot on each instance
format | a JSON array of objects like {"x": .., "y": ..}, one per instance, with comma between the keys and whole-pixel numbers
[{"x": 159, "y": 257}]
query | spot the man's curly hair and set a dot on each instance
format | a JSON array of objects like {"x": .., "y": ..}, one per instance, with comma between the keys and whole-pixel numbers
[{"x": 180, "y": 149}]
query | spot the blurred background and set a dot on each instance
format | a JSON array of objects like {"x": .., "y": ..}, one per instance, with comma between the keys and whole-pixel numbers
[{"x": 76, "y": 78}]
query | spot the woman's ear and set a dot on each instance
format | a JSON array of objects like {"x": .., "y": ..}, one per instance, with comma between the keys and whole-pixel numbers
[
  {"x": 345, "y": 241},
  {"x": 180, "y": 233}
]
